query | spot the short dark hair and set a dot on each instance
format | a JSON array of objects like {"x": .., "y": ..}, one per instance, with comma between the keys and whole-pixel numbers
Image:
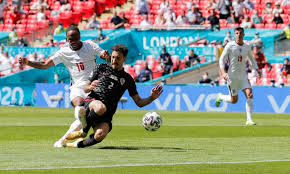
[
  {"x": 239, "y": 28},
  {"x": 73, "y": 28},
  {"x": 120, "y": 48}
]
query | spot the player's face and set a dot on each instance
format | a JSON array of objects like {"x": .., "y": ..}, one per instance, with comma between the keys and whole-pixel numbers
[
  {"x": 239, "y": 35},
  {"x": 74, "y": 39},
  {"x": 117, "y": 60}
]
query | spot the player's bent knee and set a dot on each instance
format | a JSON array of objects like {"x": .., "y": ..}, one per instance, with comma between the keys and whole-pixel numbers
[{"x": 98, "y": 107}]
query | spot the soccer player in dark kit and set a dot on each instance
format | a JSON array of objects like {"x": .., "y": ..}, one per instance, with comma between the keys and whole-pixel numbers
[{"x": 106, "y": 85}]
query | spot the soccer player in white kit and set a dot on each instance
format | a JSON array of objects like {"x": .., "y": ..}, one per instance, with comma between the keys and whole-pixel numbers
[
  {"x": 236, "y": 53},
  {"x": 80, "y": 60}
]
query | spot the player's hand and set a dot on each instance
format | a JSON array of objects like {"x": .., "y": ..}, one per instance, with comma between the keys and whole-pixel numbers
[
  {"x": 156, "y": 91},
  {"x": 94, "y": 84},
  {"x": 225, "y": 76},
  {"x": 22, "y": 61},
  {"x": 106, "y": 55}
]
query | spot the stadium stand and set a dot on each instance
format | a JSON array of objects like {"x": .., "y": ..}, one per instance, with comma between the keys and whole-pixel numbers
[
  {"x": 79, "y": 10},
  {"x": 54, "y": 14},
  {"x": 179, "y": 6}
]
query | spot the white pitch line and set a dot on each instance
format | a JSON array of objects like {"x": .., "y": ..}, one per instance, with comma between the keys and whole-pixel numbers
[{"x": 148, "y": 164}]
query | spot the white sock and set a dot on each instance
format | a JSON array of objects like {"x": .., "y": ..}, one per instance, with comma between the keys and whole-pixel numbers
[
  {"x": 76, "y": 125},
  {"x": 77, "y": 109},
  {"x": 226, "y": 98},
  {"x": 249, "y": 109}
]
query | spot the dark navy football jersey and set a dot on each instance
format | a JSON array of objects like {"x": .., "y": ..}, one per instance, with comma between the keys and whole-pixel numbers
[{"x": 112, "y": 84}]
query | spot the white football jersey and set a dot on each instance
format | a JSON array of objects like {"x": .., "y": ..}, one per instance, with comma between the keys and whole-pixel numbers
[
  {"x": 236, "y": 56},
  {"x": 79, "y": 63}
]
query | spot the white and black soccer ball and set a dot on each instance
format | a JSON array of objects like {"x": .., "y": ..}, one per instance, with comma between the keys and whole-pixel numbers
[{"x": 152, "y": 121}]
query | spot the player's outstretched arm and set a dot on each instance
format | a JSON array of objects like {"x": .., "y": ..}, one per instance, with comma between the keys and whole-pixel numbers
[
  {"x": 155, "y": 93},
  {"x": 39, "y": 65}
]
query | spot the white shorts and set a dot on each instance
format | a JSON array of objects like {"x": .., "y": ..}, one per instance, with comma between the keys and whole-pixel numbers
[
  {"x": 235, "y": 84},
  {"x": 77, "y": 91}
]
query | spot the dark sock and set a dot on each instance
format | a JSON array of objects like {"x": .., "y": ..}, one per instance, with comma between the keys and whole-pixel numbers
[
  {"x": 93, "y": 116},
  {"x": 88, "y": 142}
]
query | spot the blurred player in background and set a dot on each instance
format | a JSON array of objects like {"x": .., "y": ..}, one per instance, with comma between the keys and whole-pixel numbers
[
  {"x": 80, "y": 60},
  {"x": 236, "y": 53},
  {"x": 106, "y": 85}
]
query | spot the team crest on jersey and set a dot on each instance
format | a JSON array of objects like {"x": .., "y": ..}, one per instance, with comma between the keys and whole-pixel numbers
[{"x": 122, "y": 81}]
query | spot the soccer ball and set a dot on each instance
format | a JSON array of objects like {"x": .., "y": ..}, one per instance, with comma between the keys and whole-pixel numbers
[{"x": 152, "y": 121}]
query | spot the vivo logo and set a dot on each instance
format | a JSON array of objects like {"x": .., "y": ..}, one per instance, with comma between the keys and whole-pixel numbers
[
  {"x": 276, "y": 108},
  {"x": 53, "y": 100},
  {"x": 179, "y": 100},
  {"x": 178, "y": 96}
]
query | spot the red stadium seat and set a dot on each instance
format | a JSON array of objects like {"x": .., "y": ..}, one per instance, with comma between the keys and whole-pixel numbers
[
  {"x": 259, "y": 26},
  {"x": 56, "y": 6},
  {"x": 8, "y": 27},
  {"x": 150, "y": 58},
  {"x": 76, "y": 16},
  {"x": 232, "y": 25},
  {"x": 285, "y": 18},
  {"x": 32, "y": 21},
  {"x": 111, "y": 3},
  {"x": 89, "y": 8},
  {"x": 55, "y": 19},
  {"x": 131, "y": 71},
  {"x": 66, "y": 18},
  {"x": 1, "y": 27},
  {"x": 31, "y": 28},
  {"x": 268, "y": 18},
  {"x": 43, "y": 24},
  {"x": 281, "y": 26},
  {"x": 78, "y": 9},
  {"x": 202, "y": 59},
  {"x": 175, "y": 60},
  {"x": 272, "y": 26}
]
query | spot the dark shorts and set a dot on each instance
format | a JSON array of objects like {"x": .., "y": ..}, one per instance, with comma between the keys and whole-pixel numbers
[{"x": 105, "y": 118}]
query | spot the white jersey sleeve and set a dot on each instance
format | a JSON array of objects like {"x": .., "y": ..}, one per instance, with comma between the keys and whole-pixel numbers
[
  {"x": 57, "y": 58},
  {"x": 224, "y": 56},
  {"x": 98, "y": 50}
]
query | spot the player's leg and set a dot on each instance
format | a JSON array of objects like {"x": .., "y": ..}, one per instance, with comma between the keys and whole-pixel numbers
[
  {"x": 76, "y": 96},
  {"x": 249, "y": 105},
  {"x": 80, "y": 111},
  {"x": 100, "y": 132},
  {"x": 96, "y": 110},
  {"x": 232, "y": 97}
]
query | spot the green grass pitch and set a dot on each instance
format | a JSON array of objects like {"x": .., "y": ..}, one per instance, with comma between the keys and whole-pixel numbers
[{"x": 187, "y": 142}]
